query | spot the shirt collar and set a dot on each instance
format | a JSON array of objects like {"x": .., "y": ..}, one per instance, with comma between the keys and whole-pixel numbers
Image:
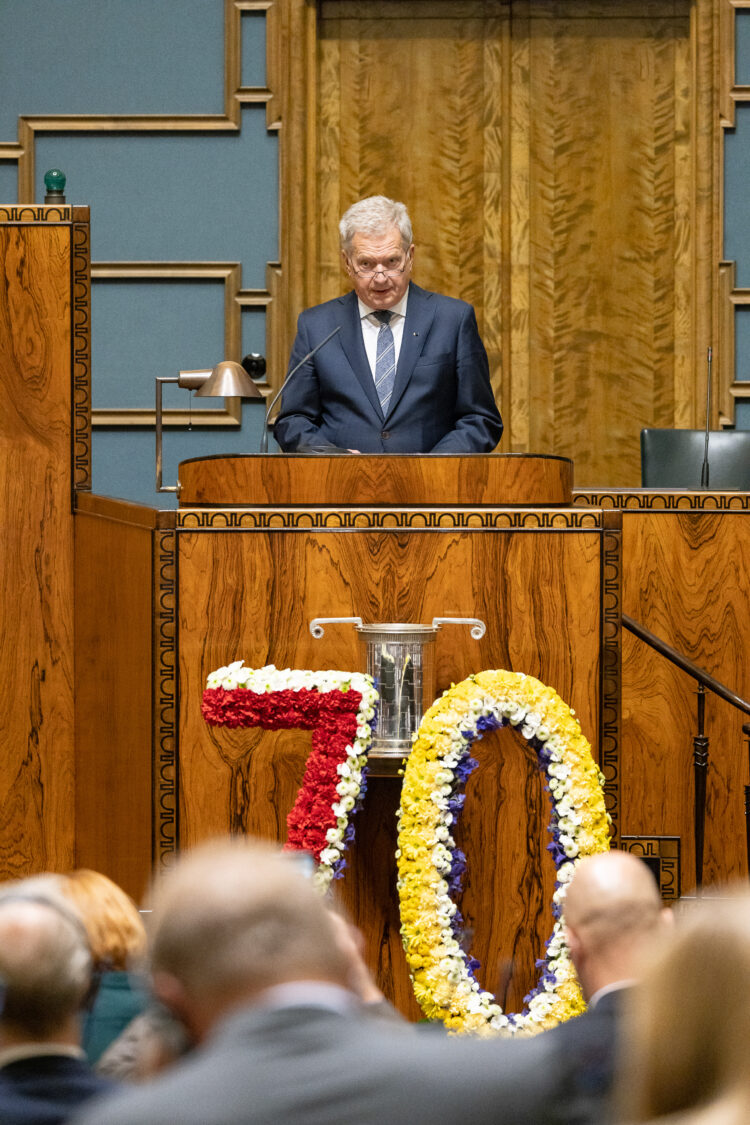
[
  {"x": 307, "y": 994},
  {"x": 38, "y": 1050},
  {"x": 399, "y": 309},
  {"x": 616, "y": 986}
]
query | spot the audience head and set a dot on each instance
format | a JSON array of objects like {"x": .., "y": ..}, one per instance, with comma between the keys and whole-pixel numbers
[
  {"x": 115, "y": 930},
  {"x": 232, "y": 919},
  {"x": 45, "y": 967},
  {"x": 612, "y": 914},
  {"x": 689, "y": 1026}
]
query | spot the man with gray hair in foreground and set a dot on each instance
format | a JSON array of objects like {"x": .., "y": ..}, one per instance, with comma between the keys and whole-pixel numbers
[
  {"x": 245, "y": 953},
  {"x": 45, "y": 977}
]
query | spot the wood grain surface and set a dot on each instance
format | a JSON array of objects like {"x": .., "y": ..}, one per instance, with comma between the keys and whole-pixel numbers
[
  {"x": 687, "y": 579},
  {"x": 560, "y": 163},
  {"x": 252, "y": 595},
  {"x": 36, "y": 551},
  {"x": 113, "y": 690},
  {"x": 386, "y": 479}
]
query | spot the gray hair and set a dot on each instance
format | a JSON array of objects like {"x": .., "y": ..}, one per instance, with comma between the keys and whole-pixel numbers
[
  {"x": 375, "y": 215},
  {"x": 45, "y": 961},
  {"x": 238, "y": 914}
]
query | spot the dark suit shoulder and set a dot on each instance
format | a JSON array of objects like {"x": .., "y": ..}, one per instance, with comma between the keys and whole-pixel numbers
[{"x": 330, "y": 309}]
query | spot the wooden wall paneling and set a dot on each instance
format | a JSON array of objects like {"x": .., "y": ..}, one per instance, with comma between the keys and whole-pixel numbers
[
  {"x": 604, "y": 152},
  {"x": 114, "y": 683},
  {"x": 562, "y": 165},
  {"x": 686, "y": 578},
  {"x": 538, "y": 591},
  {"x": 517, "y": 173},
  {"x": 410, "y": 105},
  {"x": 36, "y": 544}
]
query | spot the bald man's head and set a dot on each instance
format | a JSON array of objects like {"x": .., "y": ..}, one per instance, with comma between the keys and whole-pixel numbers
[
  {"x": 612, "y": 909},
  {"x": 45, "y": 967}
]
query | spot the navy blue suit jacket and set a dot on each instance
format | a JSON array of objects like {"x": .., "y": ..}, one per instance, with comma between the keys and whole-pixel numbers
[
  {"x": 442, "y": 401},
  {"x": 47, "y": 1089}
]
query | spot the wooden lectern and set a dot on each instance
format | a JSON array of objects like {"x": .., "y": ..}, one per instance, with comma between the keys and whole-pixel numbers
[{"x": 259, "y": 547}]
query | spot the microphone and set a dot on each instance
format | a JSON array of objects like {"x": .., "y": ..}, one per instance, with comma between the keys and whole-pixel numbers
[
  {"x": 704, "y": 466},
  {"x": 290, "y": 376}
]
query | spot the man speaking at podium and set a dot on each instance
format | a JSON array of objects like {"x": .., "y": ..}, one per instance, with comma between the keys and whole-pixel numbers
[{"x": 405, "y": 371}]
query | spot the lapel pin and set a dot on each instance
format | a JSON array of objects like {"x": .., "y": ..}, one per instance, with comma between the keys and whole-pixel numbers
[{"x": 415, "y": 333}]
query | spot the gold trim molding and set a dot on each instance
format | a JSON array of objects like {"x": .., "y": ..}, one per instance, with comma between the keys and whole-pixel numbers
[
  {"x": 235, "y": 299},
  {"x": 731, "y": 389}
]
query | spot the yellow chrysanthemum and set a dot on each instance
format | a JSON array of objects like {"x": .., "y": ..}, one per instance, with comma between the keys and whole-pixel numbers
[{"x": 442, "y": 983}]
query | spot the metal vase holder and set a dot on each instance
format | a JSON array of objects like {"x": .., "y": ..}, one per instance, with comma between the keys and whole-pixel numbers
[{"x": 401, "y": 660}]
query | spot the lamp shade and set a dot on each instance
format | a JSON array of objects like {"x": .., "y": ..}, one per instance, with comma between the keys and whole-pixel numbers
[{"x": 228, "y": 380}]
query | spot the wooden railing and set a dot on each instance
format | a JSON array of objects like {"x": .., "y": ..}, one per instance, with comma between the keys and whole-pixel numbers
[{"x": 705, "y": 682}]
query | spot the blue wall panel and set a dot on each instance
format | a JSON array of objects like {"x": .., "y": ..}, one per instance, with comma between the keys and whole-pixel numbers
[
  {"x": 109, "y": 56},
  {"x": 154, "y": 197},
  {"x": 8, "y": 181},
  {"x": 253, "y": 49},
  {"x": 174, "y": 197},
  {"x": 742, "y": 46},
  {"x": 155, "y": 328}
]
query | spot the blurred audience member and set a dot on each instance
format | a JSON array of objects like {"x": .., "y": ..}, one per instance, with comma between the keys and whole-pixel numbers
[
  {"x": 246, "y": 953},
  {"x": 613, "y": 915},
  {"x": 118, "y": 944},
  {"x": 155, "y": 1039},
  {"x": 45, "y": 976},
  {"x": 151, "y": 1042},
  {"x": 687, "y": 1049}
]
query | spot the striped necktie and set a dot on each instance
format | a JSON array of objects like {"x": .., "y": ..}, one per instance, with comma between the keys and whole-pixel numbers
[{"x": 385, "y": 361}]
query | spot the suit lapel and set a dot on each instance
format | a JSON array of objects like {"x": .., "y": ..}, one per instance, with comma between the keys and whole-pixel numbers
[
  {"x": 419, "y": 314},
  {"x": 354, "y": 349}
]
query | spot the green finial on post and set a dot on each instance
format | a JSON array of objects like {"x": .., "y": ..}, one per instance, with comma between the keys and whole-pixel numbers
[{"x": 54, "y": 182}]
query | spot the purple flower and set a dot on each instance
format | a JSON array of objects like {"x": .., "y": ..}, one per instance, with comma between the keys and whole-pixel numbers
[{"x": 464, "y": 769}]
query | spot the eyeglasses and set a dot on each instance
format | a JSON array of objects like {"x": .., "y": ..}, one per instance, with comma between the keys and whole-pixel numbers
[{"x": 391, "y": 271}]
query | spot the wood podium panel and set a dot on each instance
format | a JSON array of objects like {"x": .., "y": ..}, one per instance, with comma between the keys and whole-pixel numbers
[
  {"x": 383, "y": 478},
  {"x": 250, "y": 594},
  {"x": 686, "y": 577},
  {"x": 44, "y": 350}
]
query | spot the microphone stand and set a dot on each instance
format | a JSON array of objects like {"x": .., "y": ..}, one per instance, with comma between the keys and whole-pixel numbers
[
  {"x": 704, "y": 466},
  {"x": 284, "y": 385}
]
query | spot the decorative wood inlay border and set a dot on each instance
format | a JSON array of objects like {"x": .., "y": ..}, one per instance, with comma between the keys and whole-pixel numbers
[
  {"x": 39, "y": 214},
  {"x": 78, "y": 219},
  {"x": 81, "y": 356},
  {"x": 610, "y": 669},
  {"x": 165, "y": 766},
  {"x": 677, "y": 501},
  {"x": 388, "y": 519},
  {"x": 235, "y": 299},
  {"x": 662, "y": 854}
]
